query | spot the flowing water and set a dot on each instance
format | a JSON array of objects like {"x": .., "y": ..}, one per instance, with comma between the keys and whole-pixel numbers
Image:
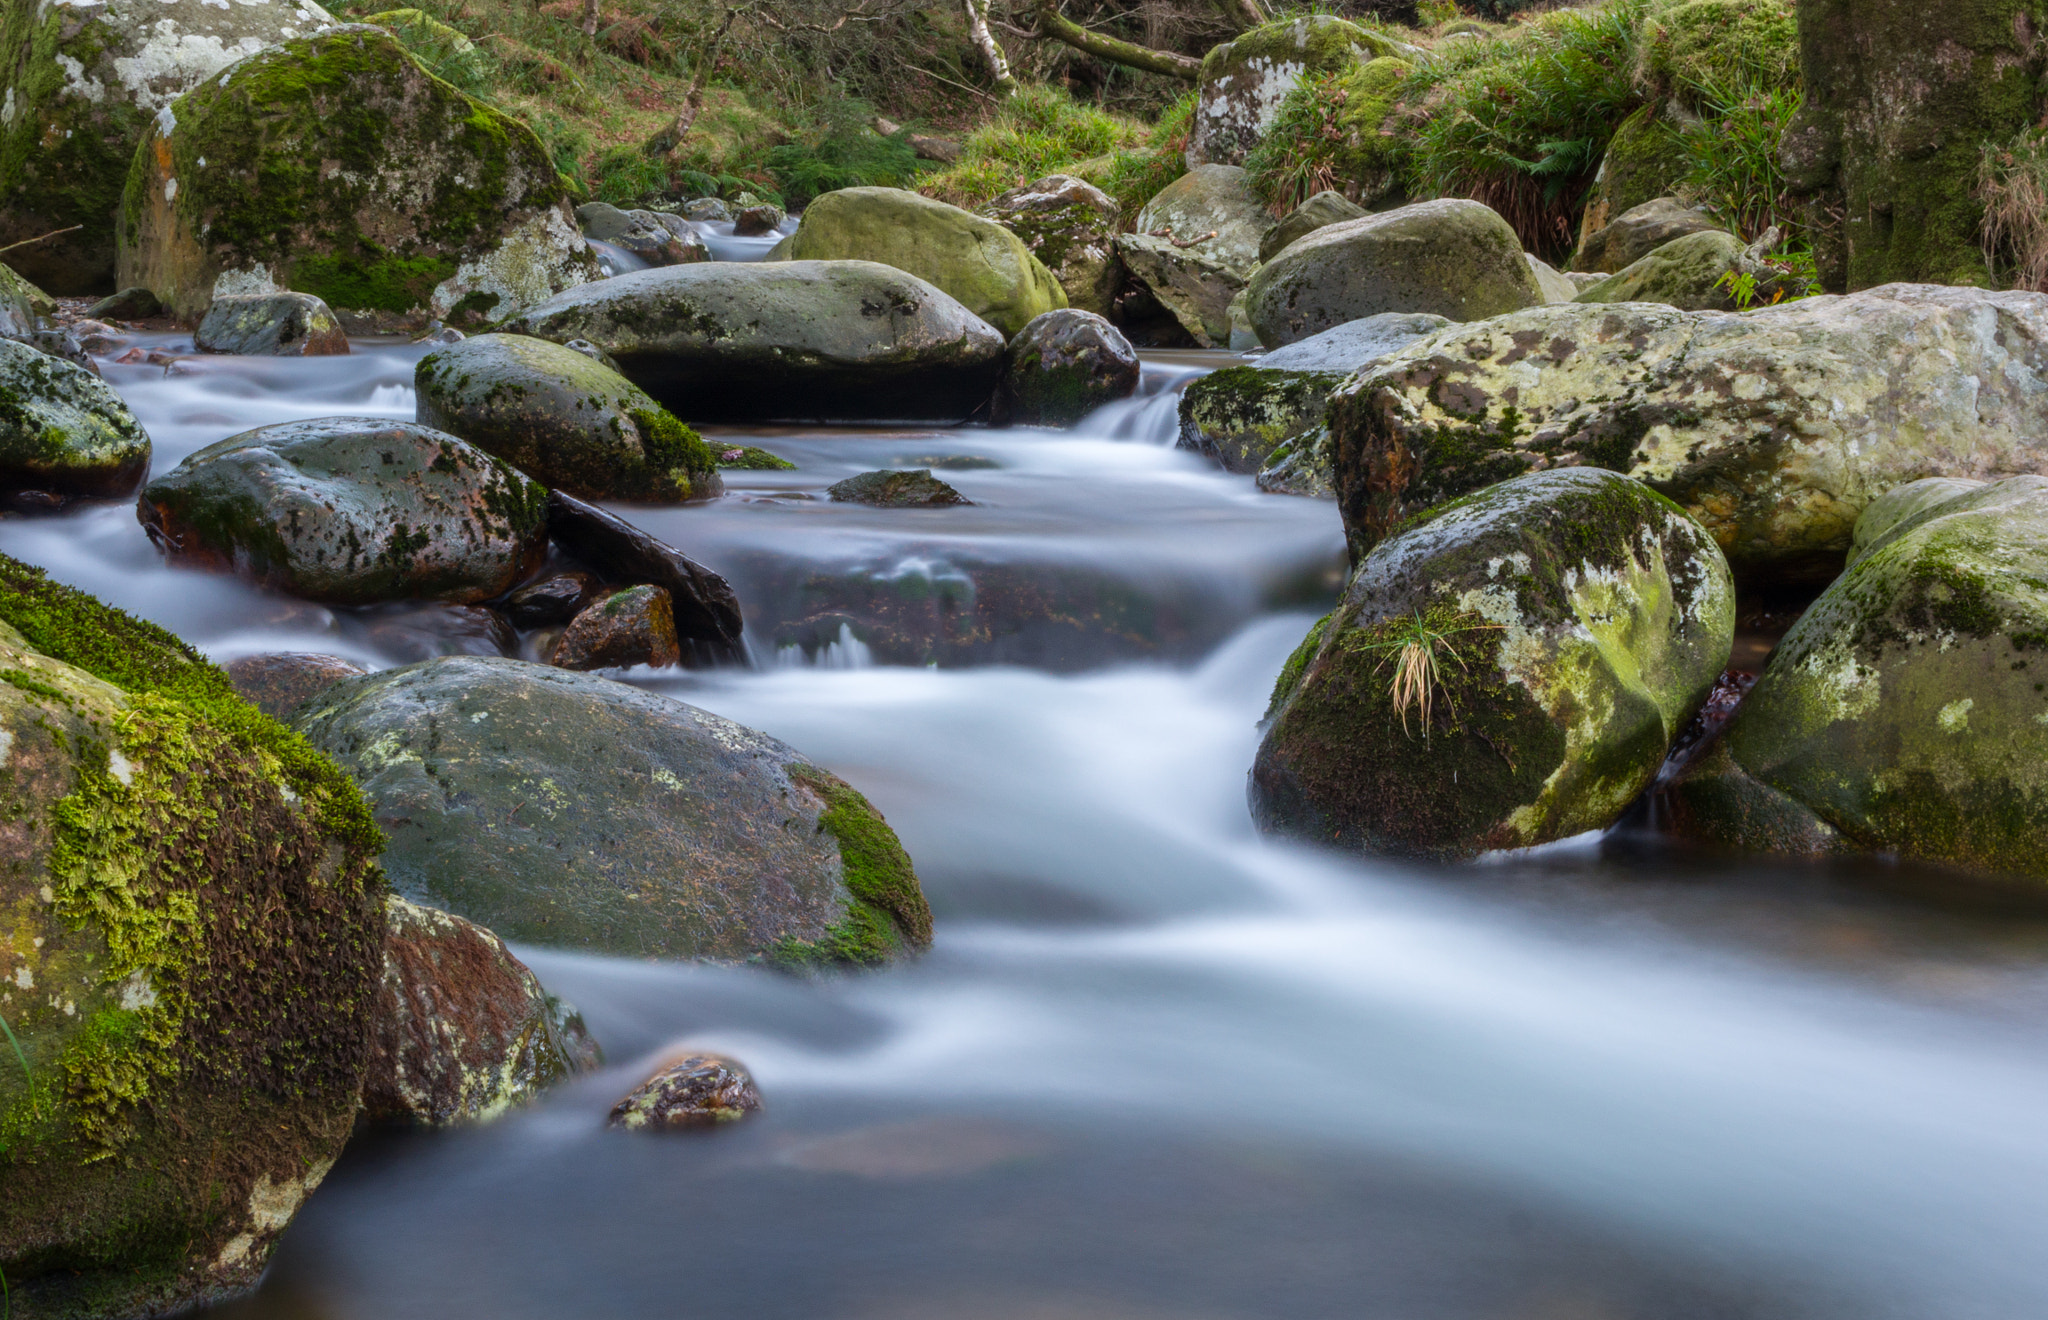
[{"x": 1156, "y": 1068}]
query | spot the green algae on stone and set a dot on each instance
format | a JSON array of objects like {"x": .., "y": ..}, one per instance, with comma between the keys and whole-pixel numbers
[
  {"x": 1576, "y": 620},
  {"x": 64, "y": 432},
  {"x": 1690, "y": 273},
  {"x": 1064, "y": 365},
  {"x": 1242, "y": 416}
]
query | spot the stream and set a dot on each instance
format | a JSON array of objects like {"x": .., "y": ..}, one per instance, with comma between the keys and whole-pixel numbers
[{"x": 1157, "y": 1068}]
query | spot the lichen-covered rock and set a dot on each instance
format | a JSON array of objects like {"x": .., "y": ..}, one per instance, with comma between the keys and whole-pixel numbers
[
  {"x": 706, "y": 612},
  {"x": 1638, "y": 232},
  {"x": 754, "y": 221},
  {"x": 278, "y": 682},
  {"x": 1318, "y": 212},
  {"x": 1645, "y": 160},
  {"x": 64, "y": 434},
  {"x": 1348, "y": 347},
  {"x": 187, "y": 965},
  {"x": 1774, "y": 427},
  {"x": 1195, "y": 244},
  {"x": 1690, "y": 273},
  {"x": 630, "y": 626},
  {"x": 1240, "y": 415},
  {"x": 79, "y": 88},
  {"x": 1244, "y": 81},
  {"x": 272, "y": 325},
  {"x": 615, "y": 819},
  {"x": 1556, "y": 287},
  {"x": 463, "y": 1030},
  {"x": 351, "y": 511},
  {"x": 789, "y": 341},
  {"x": 1567, "y": 625},
  {"x": 1064, "y": 365},
  {"x": 984, "y": 266},
  {"x": 1070, "y": 226},
  {"x": 338, "y": 166},
  {"x": 656, "y": 237},
  {"x": 699, "y": 1091},
  {"x": 1904, "y": 712},
  {"x": 566, "y": 420},
  {"x": 705, "y": 208},
  {"x": 1451, "y": 258},
  {"x": 1895, "y": 506},
  {"x": 890, "y": 489},
  {"x": 22, "y": 305}
]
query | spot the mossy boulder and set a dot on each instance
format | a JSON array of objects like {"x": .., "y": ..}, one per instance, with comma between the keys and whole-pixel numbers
[
  {"x": 614, "y": 819},
  {"x": 188, "y": 964},
  {"x": 1690, "y": 273},
  {"x": 1376, "y": 130},
  {"x": 1240, "y": 415},
  {"x": 1070, "y": 226},
  {"x": 1776, "y": 427},
  {"x": 1694, "y": 49},
  {"x": 620, "y": 629},
  {"x": 1645, "y": 160},
  {"x": 64, "y": 434},
  {"x": 1906, "y": 711},
  {"x": 564, "y": 418},
  {"x": 351, "y": 511},
  {"x": 984, "y": 266},
  {"x": 271, "y": 325},
  {"x": 1572, "y": 622},
  {"x": 1324, "y": 209},
  {"x": 785, "y": 341},
  {"x": 337, "y": 165},
  {"x": 1638, "y": 232},
  {"x": 1450, "y": 258},
  {"x": 1195, "y": 244},
  {"x": 1064, "y": 365},
  {"x": 1349, "y": 347},
  {"x": 895, "y": 488},
  {"x": 22, "y": 306},
  {"x": 79, "y": 88},
  {"x": 1244, "y": 80}
]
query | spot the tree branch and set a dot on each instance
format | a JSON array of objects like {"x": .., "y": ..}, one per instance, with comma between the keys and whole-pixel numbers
[{"x": 1060, "y": 28}]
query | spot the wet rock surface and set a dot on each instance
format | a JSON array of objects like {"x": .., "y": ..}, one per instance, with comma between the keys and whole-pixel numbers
[
  {"x": 706, "y": 611},
  {"x": 754, "y": 221},
  {"x": 271, "y": 325},
  {"x": 1064, "y": 365},
  {"x": 556, "y": 598},
  {"x": 1070, "y": 226},
  {"x": 1240, "y": 416},
  {"x": 630, "y": 626},
  {"x": 64, "y": 434},
  {"x": 700, "y": 1091},
  {"x": 277, "y": 683},
  {"x": 891, "y": 489}
]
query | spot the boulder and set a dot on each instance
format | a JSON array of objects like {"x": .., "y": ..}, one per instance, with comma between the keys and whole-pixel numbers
[
  {"x": 64, "y": 434},
  {"x": 1689, "y": 273},
  {"x": 337, "y": 165},
  {"x": 1318, "y": 212},
  {"x": 791, "y": 341},
  {"x": 567, "y": 420},
  {"x": 615, "y": 819},
  {"x": 462, "y": 1029},
  {"x": 706, "y": 613},
  {"x": 1903, "y": 713},
  {"x": 705, "y": 208},
  {"x": 622, "y": 628},
  {"x": 277, "y": 683},
  {"x": 1774, "y": 427},
  {"x": 1070, "y": 226},
  {"x": 1244, "y": 81},
  {"x": 1064, "y": 365},
  {"x": 271, "y": 325},
  {"x": 351, "y": 511},
  {"x": 126, "y": 305},
  {"x": 1556, "y": 288},
  {"x": 1240, "y": 415},
  {"x": 1506, "y": 672},
  {"x": 1638, "y": 232},
  {"x": 1195, "y": 244},
  {"x": 981, "y": 264},
  {"x": 22, "y": 305},
  {"x": 1348, "y": 347},
  {"x": 1900, "y": 503},
  {"x": 1645, "y": 160},
  {"x": 697, "y": 1091},
  {"x": 187, "y": 967},
  {"x": 556, "y": 598},
  {"x": 1450, "y": 258},
  {"x": 896, "y": 490},
  {"x": 754, "y": 221},
  {"x": 656, "y": 237},
  {"x": 80, "y": 88}
]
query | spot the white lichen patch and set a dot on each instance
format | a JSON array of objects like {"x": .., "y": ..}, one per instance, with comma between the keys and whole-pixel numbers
[
  {"x": 1955, "y": 717},
  {"x": 121, "y": 768},
  {"x": 270, "y": 1207},
  {"x": 256, "y": 279},
  {"x": 539, "y": 258},
  {"x": 137, "y": 993}
]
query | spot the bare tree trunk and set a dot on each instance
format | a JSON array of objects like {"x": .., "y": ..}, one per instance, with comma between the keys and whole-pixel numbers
[
  {"x": 991, "y": 51},
  {"x": 1242, "y": 14},
  {"x": 1052, "y": 23},
  {"x": 693, "y": 104},
  {"x": 589, "y": 18}
]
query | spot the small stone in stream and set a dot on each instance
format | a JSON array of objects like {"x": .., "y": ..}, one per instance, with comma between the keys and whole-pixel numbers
[
  {"x": 752, "y": 459},
  {"x": 64, "y": 433},
  {"x": 897, "y": 490},
  {"x": 421, "y": 632},
  {"x": 276, "y": 683},
  {"x": 706, "y": 610},
  {"x": 701, "y": 1091},
  {"x": 1065, "y": 364},
  {"x": 705, "y": 208},
  {"x": 441, "y": 334},
  {"x": 127, "y": 305},
  {"x": 635, "y": 626},
  {"x": 557, "y": 598},
  {"x": 754, "y": 221},
  {"x": 62, "y": 343},
  {"x": 271, "y": 325}
]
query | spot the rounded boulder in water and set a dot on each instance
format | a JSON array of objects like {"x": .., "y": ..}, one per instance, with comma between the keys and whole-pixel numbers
[
  {"x": 1064, "y": 365},
  {"x": 352, "y": 511},
  {"x": 699, "y": 1091},
  {"x": 271, "y": 325},
  {"x": 565, "y": 418},
  {"x": 632, "y": 626},
  {"x": 565, "y": 809},
  {"x": 1507, "y": 673},
  {"x": 65, "y": 435}
]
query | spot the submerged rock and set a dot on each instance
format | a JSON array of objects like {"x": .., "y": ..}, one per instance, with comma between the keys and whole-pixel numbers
[
  {"x": 1240, "y": 415},
  {"x": 556, "y": 598},
  {"x": 889, "y": 489},
  {"x": 1195, "y": 244},
  {"x": 705, "y": 609},
  {"x": 616, "y": 820},
  {"x": 754, "y": 221},
  {"x": 277, "y": 683},
  {"x": 271, "y": 325},
  {"x": 564, "y": 418},
  {"x": 700, "y": 1091},
  {"x": 65, "y": 435},
  {"x": 1064, "y": 365},
  {"x": 631, "y": 626},
  {"x": 657, "y": 238},
  {"x": 1507, "y": 672},
  {"x": 462, "y": 1030},
  {"x": 1638, "y": 232},
  {"x": 188, "y": 965},
  {"x": 1070, "y": 226},
  {"x": 351, "y": 511},
  {"x": 787, "y": 341}
]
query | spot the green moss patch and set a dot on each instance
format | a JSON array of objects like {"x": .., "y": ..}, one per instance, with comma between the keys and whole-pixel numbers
[{"x": 889, "y": 908}]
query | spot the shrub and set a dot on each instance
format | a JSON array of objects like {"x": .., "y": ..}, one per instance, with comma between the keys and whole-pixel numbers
[
  {"x": 1732, "y": 163},
  {"x": 2012, "y": 183},
  {"x": 625, "y": 175},
  {"x": 1039, "y": 131},
  {"x": 844, "y": 151},
  {"x": 1339, "y": 132},
  {"x": 1134, "y": 175},
  {"x": 1693, "y": 47}
]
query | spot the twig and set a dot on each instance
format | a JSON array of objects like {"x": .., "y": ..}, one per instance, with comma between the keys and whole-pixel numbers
[
  {"x": 919, "y": 68},
  {"x": 39, "y": 238}
]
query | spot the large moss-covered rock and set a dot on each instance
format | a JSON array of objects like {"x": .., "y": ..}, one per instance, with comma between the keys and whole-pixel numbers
[
  {"x": 1905, "y": 711},
  {"x": 564, "y": 418},
  {"x": 1195, "y": 244},
  {"x": 984, "y": 266},
  {"x": 78, "y": 90},
  {"x": 64, "y": 434},
  {"x": 1451, "y": 258},
  {"x": 351, "y": 511},
  {"x": 1901, "y": 100},
  {"x": 1571, "y": 624},
  {"x": 615, "y": 819},
  {"x": 187, "y": 964},
  {"x": 1645, "y": 160},
  {"x": 1690, "y": 273},
  {"x": 1244, "y": 80},
  {"x": 1070, "y": 226},
  {"x": 1637, "y": 232},
  {"x": 1774, "y": 427},
  {"x": 787, "y": 341},
  {"x": 1693, "y": 49},
  {"x": 1240, "y": 415},
  {"x": 1318, "y": 212},
  {"x": 1376, "y": 130},
  {"x": 1064, "y": 365},
  {"x": 336, "y": 165},
  {"x": 271, "y": 325}
]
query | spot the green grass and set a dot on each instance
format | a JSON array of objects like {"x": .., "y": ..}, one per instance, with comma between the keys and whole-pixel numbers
[
  {"x": 1732, "y": 165},
  {"x": 1039, "y": 131},
  {"x": 842, "y": 151}
]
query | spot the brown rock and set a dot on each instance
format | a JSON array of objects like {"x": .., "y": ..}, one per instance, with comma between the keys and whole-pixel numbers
[
  {"x": 706, "y": 610},
  {"x": 703, "y": 1090},
  {"x": 556, "y": 598},
  {"x": 888, "y": 489},
  {"x": 276, "y": 683},
  {"x": 634, "y": 626},
  {"x": 753, "y": 221}
]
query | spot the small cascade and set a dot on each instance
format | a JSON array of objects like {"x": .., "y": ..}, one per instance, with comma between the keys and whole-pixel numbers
[
  {"x": 613, "y": 259},
  {"x": 843, "y": 652}
]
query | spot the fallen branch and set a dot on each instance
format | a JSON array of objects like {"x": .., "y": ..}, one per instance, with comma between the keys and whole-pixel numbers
[
  {"x": 1058, "y": 27},
  {"x": 39, "y": 238}
]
